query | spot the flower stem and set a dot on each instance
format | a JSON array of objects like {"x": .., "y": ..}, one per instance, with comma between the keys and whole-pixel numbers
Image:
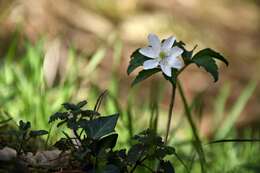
[{"x": 170, "y": 112}]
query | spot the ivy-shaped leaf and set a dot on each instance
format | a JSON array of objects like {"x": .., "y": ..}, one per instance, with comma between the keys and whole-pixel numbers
[
  {"x": 137, "y": 59},
  {"x": 107, "y": 142},
  {"x": 100, "y": 127},
  {"x": 144, "y": 74},
  {"x": 206, "y": 59}
]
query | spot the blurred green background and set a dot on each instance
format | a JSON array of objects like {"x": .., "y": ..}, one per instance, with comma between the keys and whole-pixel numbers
[{"x": 67, "y": 50}]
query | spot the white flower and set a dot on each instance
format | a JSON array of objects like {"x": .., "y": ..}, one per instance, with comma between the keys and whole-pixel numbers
[{"x": 162, "y": 54}]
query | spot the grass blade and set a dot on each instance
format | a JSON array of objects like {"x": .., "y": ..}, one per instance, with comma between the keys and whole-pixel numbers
[
  {"x": 234, "y": 140},
  {"x": 236, "y": 110}
]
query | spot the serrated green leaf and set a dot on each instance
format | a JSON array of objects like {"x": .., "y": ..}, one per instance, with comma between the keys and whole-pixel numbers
[
  {"x": 88, "y": 113},
  {"x": 137, "y": 59},
  {"x": 100, "y": 127},
  {"x": 35, "y": 133},
  {"x": 209, "y": 64},
  {"x": 144, "y": 74},
  {"x": 58, "y": 116},
  {"x": 209, "y": 53}
]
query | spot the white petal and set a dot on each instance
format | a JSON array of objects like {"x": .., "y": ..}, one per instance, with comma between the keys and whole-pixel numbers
[
  {"x": 149, "y": 52},
  {"x": 166, "y": 69},
  {"x": 149, "y": 64},
  {"x": 175, "y": 62},
  {"x": 175, "y": 51},
  {"x": 167, "y": 44},
  {"x": 154, "y": 41}
]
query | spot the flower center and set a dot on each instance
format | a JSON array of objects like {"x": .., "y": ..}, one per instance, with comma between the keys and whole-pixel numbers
[{"x": 162, "y": 55}]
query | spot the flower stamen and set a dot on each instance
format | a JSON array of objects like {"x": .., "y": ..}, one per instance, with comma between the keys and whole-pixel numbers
[{"x": 162, "y": 55}]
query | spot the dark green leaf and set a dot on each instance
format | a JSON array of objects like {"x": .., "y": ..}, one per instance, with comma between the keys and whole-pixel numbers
[
  {"x": 107, "y": 142},
  {"x": 206, "y": 59},
  {"x": 24, "y": 125},
  {"x": 149, "y": 137},
  {"x": 82, "y": 103},
  {"x": 209, "y": 64},
  {"x": 35, "y": 133},
  {"x": 166, "y": 167},
  {"x": 163, "y": 151},
  {"x": 89, "y": 113},
  {"x": 100, "y": 127},
  {"x": 135, "y": 153},
  {"x": 72, "y": 124},
  {"x": 58, "y": 116},
  {"x": 144, "y": 74},
  {"x": 137, "y": 59},
  {"x": 70, "y": 106},
  {"x": 209, "y": 53}
]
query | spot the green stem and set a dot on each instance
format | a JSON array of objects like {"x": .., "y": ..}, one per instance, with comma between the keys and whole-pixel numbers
[
  {"x": 170, "y": 112},
  {"x": 198, "y": 145}
]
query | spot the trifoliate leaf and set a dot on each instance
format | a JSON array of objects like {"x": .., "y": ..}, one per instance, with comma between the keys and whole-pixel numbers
[
  {"x": 144, "y": 74},
  {"x": 137, "y": 59},
  {"x": 100, "y": 127}
]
